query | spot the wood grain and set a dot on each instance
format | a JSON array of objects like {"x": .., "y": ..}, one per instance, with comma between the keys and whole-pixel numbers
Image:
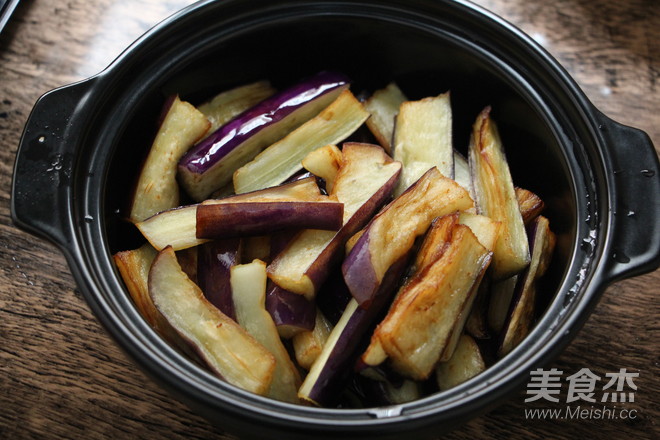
[{"x": 62, "y": 377}]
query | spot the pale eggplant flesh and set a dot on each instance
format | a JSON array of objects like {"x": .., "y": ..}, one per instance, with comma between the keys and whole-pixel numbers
[
  {"x": 284, "y": 158},
  {"x": 157, "y": 188},
  {"x": 177, "y": 227},
  {"x": 384, "y": 106},
  {"x": 495, "y": 196},
  {"x": 324, "y": 163},
  {"x": 134, "y": 266},
  {"x": 435, "y": 243},
  {"x": 393, "y": 231},
  {"x": 307, "y": 345},
  {"x": 226, "y": 348},
  {"x": 248, "y": 283},
  {"x": 210, "y": 164},
  {"x": 364, "y": 183},
  {"x": 422, "y": 325},
  {"x": 423, "y": 139},
  {"x": 334, "y": 366},
  {"x": 410, "y": 307},
  {"x": 464, "y": 364}
]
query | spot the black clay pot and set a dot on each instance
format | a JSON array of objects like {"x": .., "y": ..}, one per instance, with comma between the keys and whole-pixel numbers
[{"x": 600, "y": 180}]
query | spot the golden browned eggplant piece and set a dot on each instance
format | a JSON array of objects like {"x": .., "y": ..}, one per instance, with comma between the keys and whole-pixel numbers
[
  {"x": 225, "y": 347},
  {"x": 496, "y": 198}
]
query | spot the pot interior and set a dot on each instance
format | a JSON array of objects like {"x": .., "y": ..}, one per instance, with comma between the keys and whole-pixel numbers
[{"x": 203, "y": 56}]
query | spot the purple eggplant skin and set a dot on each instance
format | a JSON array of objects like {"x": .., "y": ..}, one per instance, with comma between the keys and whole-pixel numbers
[
  {"x": 200, "y": 168},
  {"x": 243, "y": 219},
  {"x": 364, "y": 280},
  {"x": 329, "y": 379},
  {"x": 291, "y": 313},
  {"x": 412, "y": 213},
  {"x": 214, "y": 262},
  {"x": 187, "y": 259},
  {"x": 522, "y": 310},
  {"x": 331, "y": 256}
]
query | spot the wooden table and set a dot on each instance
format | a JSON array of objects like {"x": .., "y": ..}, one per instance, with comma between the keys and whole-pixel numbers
[{"x": 61, "y": 376}]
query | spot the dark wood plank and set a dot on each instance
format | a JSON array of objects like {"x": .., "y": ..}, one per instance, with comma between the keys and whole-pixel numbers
[{"x": 61, "y": 376}]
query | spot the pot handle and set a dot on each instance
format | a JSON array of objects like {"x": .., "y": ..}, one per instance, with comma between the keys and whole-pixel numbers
[
  {"x": 44, "y": 165},
  {"x": 635, "y": 241}
]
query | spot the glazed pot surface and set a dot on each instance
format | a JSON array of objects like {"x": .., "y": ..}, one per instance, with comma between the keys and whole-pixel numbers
[{"x": 558, "y": 146}]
